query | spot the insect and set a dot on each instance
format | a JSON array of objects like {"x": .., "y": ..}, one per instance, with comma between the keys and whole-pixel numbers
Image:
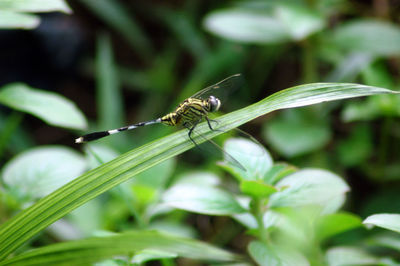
[{"x": 189, "y": 113}]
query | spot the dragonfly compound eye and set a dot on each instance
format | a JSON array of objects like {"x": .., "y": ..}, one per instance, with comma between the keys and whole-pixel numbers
[{"x": 215, "y": 103}]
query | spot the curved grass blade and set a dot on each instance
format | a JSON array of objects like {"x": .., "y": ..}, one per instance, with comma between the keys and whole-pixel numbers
[
  {"x": 49, "y": 209},
  {"x": 91, "y": 250}
]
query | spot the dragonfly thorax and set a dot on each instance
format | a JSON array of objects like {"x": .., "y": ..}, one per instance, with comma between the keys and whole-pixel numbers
[{"x": 214, "y": 103}]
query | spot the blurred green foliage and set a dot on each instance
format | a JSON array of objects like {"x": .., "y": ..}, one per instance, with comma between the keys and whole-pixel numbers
[{"x": 328, "y": 167}]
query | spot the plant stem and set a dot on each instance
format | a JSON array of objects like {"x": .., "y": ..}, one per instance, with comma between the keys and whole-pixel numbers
[
  {"x": 258, "y": 213},
  {"x": 384, "y": 141},
  {"x": 11, "y": 124},
  {"x": 309, "y": 73}
]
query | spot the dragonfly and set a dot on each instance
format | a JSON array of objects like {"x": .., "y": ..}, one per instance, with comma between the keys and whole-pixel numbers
[{"x": 189, "y": 113}]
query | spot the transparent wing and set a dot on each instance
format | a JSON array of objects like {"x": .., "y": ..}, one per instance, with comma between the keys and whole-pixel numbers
[
  {"x": 225, "y": 86},
  {"x": 210, "y": 148}
]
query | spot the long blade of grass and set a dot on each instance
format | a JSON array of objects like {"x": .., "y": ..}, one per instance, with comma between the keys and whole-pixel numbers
[
  {"x": 86, "y": 251},
  {"x": 49, "y": 209}
]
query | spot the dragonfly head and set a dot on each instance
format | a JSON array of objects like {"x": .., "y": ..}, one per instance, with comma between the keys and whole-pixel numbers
[{"x": 214, "y": 102}]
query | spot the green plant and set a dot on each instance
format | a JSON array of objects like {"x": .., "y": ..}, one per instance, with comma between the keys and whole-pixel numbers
[{"x": 52, "y": 207}]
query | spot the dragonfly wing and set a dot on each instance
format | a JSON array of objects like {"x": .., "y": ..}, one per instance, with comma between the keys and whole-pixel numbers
[
  {"x": 229, "y": 84},
  {"x": 209, "y": 147}
]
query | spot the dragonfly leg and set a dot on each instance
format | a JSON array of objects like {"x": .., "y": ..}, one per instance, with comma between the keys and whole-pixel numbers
[
  {"x": 209, "y": 124},
  {"x": 191, "y": 128}
]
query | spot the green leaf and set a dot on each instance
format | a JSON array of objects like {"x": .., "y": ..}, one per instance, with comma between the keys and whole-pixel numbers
[
  {"x": 52, "y": 108},
  {"x": 299, "y": 21},
  {"x": 339, "y": 256},
  {"x": 202, "y": 199},
  {"x": 283, "y": 23},
  {"x": 275, "y": 255},
  {"x": 384, "y": 220},
  {"x": 246, "y": 26},
  {"x": 14, "y": 20},
  {"x": 29, "y": 222},
  {"x": 37, "y": 172},
  {"x": 199, "y": 178},
  {"x": 296, "y": 132},
  {"x": 336, "y": 223},
  {"x": 252, "y": 156},
  {"x": 95, "y": 249},
  {"x": 35, "y": 6},
  {"x": 308, "y": 187},
  {"x": 277, "y": 172},
  {"x": 369, "y": 36},
  {"x": 257, "y": 188},
  {"x": 150, "y": 254}
]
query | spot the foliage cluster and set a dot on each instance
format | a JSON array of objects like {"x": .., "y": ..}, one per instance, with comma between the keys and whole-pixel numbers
[{"x": 120, "y": 202}]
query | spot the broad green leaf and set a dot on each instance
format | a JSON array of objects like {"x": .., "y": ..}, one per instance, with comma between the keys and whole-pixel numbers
[
  {"x": 14, "y": 20},
  {"x": 29, "y": 222},
  {"x": 37, "y": 172},
  {"x": 95, "y": 249},
  {"x": 252, "y": 156},
  {"x": 336, "y": 223},
  {"x": 246, "y": 26},
  {"x": 340, "y": 256},
  {"x": 202, "y": 199},
  {"x": 52, "y": 108},
  {"x": 308, "y": 187},
  {"x": 257, "y": 188},
  {"x": 277, "y": 172},
  {"x": 269, "y": 255},
  {"x": 374, "y": 37},
  {"x": 296, "y": 132},
  {"x": 35, "y": 6},
  {"x": 199, "y": 178},
  {"x": 299, "y": 21},
  {"x": 281, "y": 23},
  {"x": 385, "y": 220}
]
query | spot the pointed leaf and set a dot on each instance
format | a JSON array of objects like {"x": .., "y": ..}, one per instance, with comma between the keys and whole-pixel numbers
[
  {"x": 308, "y": 187},
  {"x": 29, "y": 222},
  {"x": 252, "y": 156},
  {"x": 269, "y": 255},
  {"x": 361, "y": 35},
  {"x": 332, "y": 224},
  {"x": 257, "y": 188},
  {"x": 54, "y": 109},
  {"x": 15, "y": 20},
  {"x": 39, "y": 171},
  {"x": 86, "y": 251},
  {"x": 202, "y": 199},
  {"x": 385, "y": 220},
  {"x": 339, "y": 256},
  {"x": 35, "y": 6}
]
